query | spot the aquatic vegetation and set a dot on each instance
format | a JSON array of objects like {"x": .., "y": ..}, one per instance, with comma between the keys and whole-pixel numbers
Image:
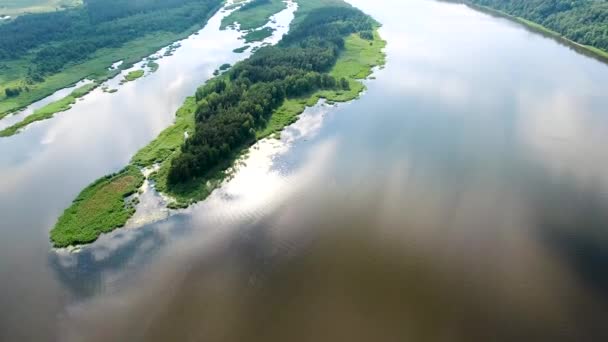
[
  {"x": 255, "y": 14},
  {"x": 258, "y": 35},
  {"x": 49, "y": 110},
  {"x": 49, "y": 51},
  {"x": 241, "y": 49},
  {"x": 100, "y": 208}
]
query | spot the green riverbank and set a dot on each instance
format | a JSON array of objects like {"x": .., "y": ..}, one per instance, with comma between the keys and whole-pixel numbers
[
  {"x": 355, "y": 62},
  {"x": 13, "y": 72},
  {"x": 538, "y": 28},
  {"x": 49, "y": 110}
]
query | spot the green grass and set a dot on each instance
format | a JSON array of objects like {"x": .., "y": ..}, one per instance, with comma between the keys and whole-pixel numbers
[
  {"x": 100, "y": 208},
  {"x": 241, "y": 49},
  {"x": 18, "y": 7},
  {"x": 170, "y": 139},
  {"x": 254, "y": 17},
  {"x": 133, "y": 75},
  {"x": 49, "y": 110},
  {"x": 258, "y": 35}
]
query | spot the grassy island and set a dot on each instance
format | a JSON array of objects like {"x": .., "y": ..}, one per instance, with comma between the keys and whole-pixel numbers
[
  {"x": 133, "y": 75},
  {"x": 232, "y": 111},
  {"x": 258, "y": 35},
  {"x": 100, "y": 208},
  {"x": 49, "y": 110}
]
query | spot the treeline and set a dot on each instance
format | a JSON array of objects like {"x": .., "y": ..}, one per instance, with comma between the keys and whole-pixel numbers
[
  {"x": 583, "y": 21},
  {"x": 229, "y": 109},
  {"x": 59, "y": 38}
]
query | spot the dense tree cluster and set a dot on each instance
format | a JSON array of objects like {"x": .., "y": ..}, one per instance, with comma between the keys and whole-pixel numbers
[
  {"x": 230, "y": 108},
  {"x": 59, "y": 38},
  {"x": 583, "y": 21},
  {"x": 12, "y": 92}
]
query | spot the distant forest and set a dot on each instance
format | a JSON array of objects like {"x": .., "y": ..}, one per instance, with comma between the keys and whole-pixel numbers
[
  {"x": 230, "y": 108},
  {"x": 583, "y": 21},
  {"x": 58, "y": 38}
]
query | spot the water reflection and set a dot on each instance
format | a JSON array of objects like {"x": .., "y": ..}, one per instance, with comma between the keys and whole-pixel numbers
[{"x": 462, "y": 198}]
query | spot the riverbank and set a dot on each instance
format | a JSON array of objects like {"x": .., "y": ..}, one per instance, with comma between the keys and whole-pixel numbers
[
  {"x": 538, "y": 28},
  {"x": 96, "y": 67},
  {"x": 354, "y": 63},
  {"x": 50, "y": 110}
]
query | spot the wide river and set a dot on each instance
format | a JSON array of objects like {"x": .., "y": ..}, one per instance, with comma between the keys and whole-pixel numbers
[{"x": 463, "y": 197}]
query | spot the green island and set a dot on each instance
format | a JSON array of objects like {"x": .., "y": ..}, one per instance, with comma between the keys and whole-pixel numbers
[
  {"x": 49, "y": 110},
  {"x": 331, "y": 47},
  {"x": 241, "y": 49},
  {"x": 42, "y": 53},
  {"x": 152, "y": 66},
  {"x": 580, "y": 24},
  {"x": 100, "y": 208},
  {"x": 258, "y": 35},
  {"x": 133, "y": 75},
  {"x": 254, "y": 14}
]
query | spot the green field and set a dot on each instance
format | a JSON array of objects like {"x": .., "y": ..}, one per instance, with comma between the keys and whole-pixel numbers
[
  {"x": 49, "y": 110},
  {"x": 18, "y": 7}
]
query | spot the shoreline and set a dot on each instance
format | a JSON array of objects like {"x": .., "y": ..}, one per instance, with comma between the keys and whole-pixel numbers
[
  {"x": 96, "y": 68},
  {"x": 587, "y": 50}
]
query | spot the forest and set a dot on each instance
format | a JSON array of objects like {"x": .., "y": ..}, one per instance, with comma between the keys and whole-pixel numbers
[
  {"x": 582, "y": 21},
  {"x": 230, "y": 109},
  {"x": 57, "y": 39}
]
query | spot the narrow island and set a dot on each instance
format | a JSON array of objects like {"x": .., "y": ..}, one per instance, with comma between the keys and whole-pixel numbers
[
  {"x": 84, "y": 40},
  {"x": 133, "y": 75},
  {"x": 241, "y": 49},
  {"x": 258, "y": 35},
  {"x": 49, "y": 110},
  {"x": 330, "y": 48},
  {"x": 254, "y": 14}
]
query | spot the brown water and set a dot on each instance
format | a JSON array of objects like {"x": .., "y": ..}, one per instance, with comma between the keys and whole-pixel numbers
[{"x": 464, "y": 197}]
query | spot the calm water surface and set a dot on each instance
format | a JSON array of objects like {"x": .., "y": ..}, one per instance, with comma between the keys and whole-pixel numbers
[{"x": 464, "y": 197}]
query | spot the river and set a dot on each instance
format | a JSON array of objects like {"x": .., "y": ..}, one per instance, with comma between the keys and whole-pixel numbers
[{"x": 463, "y": 197}]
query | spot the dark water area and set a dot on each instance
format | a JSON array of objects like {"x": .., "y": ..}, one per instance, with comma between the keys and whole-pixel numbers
[{"x": 463, "y": 197}]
